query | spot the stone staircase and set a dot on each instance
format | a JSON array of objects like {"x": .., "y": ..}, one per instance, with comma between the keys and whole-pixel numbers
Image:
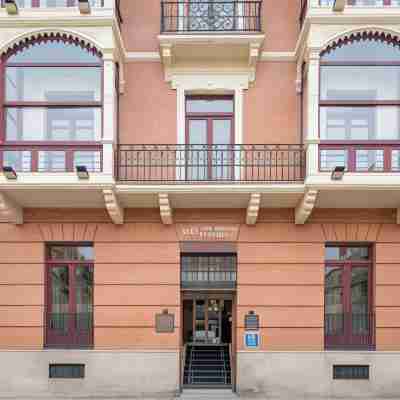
[{"x": 208, "y": 394}]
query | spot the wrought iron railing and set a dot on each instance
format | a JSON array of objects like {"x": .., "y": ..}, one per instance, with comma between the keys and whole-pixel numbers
[
  {"x": 69, "y": 330},
  {"x": 211, "y": 16},
  {"x": 165, "y": 164},
  {"x": 350, "y": 331}
]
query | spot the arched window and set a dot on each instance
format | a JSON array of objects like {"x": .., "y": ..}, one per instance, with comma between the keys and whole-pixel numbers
[
  {"x": 360, "y": 104},
  {"x": 52, "y": 109}
]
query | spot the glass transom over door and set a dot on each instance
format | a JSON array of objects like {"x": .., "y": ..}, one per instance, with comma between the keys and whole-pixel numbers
[{"x": 210, "y": 135}]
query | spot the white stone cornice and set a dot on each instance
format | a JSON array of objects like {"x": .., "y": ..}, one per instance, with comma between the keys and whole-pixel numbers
[
  {"x": 165, "y": 209},
  {"x": 306, "y": 206},
  {"x": 10, "y": 210},
  {"x": 115, "y": 211},
  {"x": 253, "y": 209}
]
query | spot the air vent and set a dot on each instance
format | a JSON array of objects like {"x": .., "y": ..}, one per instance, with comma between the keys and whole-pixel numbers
[
  {"x": 351, "y": 372},
  {"x": 66, "y": 371}
]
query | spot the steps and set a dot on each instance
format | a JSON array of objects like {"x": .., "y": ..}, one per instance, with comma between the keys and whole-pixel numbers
[
  {"x": 210, "y": 394},
  {"x": 207, "y": 366}
]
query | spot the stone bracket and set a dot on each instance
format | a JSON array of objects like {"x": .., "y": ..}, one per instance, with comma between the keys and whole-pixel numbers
[
  {"x": 254, "y": 54},
  {"x": 338, "y": 5},
  {"x": 165, "y": 209},
  {"x": 10, "y": 210},
  {"x": 306, "y": 206},
  {"x": 115, "y": 211},
  {"x": 253, "y": 209}
]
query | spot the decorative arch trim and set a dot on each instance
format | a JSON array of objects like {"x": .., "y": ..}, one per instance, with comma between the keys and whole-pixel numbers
[
  {"x": 387, "y": 36},
  {"x": 23, "y": 42}
]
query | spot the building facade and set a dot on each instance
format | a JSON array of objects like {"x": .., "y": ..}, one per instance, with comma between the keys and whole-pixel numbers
[{"x": 200, "y": 194}]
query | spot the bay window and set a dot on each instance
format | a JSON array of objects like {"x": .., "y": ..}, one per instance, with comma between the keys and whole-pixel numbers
[
  {"x": 360, "y": 105},
  {"x": 52, "y": 108}
]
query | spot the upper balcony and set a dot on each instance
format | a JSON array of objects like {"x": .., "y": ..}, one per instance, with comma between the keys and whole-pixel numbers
[
  {"x": 353, "y": 11},
  {"x": 206, "y": 32}
]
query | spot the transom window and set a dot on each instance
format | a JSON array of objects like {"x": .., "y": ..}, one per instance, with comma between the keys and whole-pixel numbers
[
  {"x": 52, "y": 99},
  {"x": 360, "y": 105},
  {"x": 69, "y": 320},
  {"x": 349, "y": 321}
]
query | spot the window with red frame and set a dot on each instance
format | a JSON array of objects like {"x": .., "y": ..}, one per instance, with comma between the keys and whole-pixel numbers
[
  {"x": 69, "y": 294},
  {"x": 52, "y": 108},
  {"x": 360, "y": 104},
  {"x": 349, "y": 318}
]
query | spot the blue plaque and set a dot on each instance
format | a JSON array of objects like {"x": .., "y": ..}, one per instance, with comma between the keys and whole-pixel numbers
[{"x": 252, "y": 340}]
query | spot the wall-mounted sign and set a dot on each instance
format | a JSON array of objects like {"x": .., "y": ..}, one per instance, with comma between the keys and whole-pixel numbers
[
  {"x": 165, "y": 322},
  {"x": 252, "y": 340},
  {"x": 208, "y": 232},
  {"x": 252, "y": 321}
]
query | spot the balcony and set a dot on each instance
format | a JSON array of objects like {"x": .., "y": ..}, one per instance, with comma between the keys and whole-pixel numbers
[
  {"x": 363, "y": 9},
  {"x": 205, "y": 32},
  {"x": 65, "y": 330},
  {"x": 350, "y": 331},
  {"x": 210, "y": 164}
]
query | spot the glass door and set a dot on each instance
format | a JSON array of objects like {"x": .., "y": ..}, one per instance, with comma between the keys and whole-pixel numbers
[{"x": 207, "y": 321}]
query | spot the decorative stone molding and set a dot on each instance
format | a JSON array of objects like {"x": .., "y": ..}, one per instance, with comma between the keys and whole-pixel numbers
[
  {"x": 10, "y": 210},
  {"x": 253, "y": 209},
  {"x": 305, "y": 207},
  {"x": 68, "y": 232},
  {"x": 398, "y": 216},
  {"x": 165, "y": 209},
  {"x": 254, "y": 54},
  {"x": 115, "y": 211}
]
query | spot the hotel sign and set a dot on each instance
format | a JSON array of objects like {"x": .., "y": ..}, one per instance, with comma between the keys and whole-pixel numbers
[{"x": 208, "y": 232}]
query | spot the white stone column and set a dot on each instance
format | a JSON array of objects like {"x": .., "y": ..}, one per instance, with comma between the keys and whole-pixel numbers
[
  {"x": 312, "y": 134},
  {"x": 109, "y": 114}
]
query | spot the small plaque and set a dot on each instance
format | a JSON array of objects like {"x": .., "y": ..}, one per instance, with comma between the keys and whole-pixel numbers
[
  {"x": 252, "y": 340},
  {"x": 165, "y": 322},
  {"x": 252, "y": 322}
]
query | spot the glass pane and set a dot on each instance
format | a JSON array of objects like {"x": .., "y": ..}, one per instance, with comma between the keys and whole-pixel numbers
[
  {"x": 197, "y": 156},
  {"x": 332, "y": 253},
  {"x": 20, "y": 161},
  {"x": 71, "y": 253},
  {"x": 90, "y": 159},
  {"x": 51, "y": 124},
  {"x": 59, "y": 297},
  {"x": 84, "y": 296},
  {"x": 333, "y": 158},
  {"x": 347, "y": 253},
  {"x": 360, "y": 123},
  {"x": 364, "y": 50},
  {"x": 396, "y": 160},
  {"x": 209, "y": 106},
  {"x": 359, "y": 300},
  {"x": 222, "y": 156},
  {"x": 360, "y": 83},
  {"x": 214, "y": 315},
  {"x": 334, "y": 307},
  {"x": 51, "y": 161},
  {"x": 53, "y": 84},
  {"x": 369, "y": 160},
  {"x": 54, "y": 52},
  {"x": 200, "y": 323}
]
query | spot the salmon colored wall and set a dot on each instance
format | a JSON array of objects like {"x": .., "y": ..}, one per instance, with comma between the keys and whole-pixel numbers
[
  {"x": 148, "y": 107},
  {"x": 280, "y": 22},
  {"x": 271, "y": 107},
  {"x": 280, "y": 274}
]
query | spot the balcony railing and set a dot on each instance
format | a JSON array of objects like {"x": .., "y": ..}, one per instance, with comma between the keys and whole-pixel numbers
[
  {"x": 350, "y": 331},
  {"x": 211, "y": 16},
  {"x": 166, "y": 164},
  {"x": 360, "y": 157},
  {"x": 51, "y": 158},
  {"x": 65, "y": 330}
]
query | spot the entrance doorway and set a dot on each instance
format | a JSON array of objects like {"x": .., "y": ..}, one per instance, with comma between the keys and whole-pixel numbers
[{"x": 208, "y": 340}]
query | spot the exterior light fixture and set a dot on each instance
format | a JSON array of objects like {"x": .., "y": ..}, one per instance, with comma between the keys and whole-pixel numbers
[
  {"x": 82, "y": 172},
  {"x": 337, "y": 173},
  {"x": 84, "y": 6},
  {"x": 11, "y": 7},
  {"x": 338, "y": 5},
  {"x": 9, "y": 173}
]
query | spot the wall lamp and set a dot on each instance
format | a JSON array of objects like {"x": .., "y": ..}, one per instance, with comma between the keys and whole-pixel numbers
[
  {"x": 84, "y": 6},
  {"x": 338, "y": 5},
  {"x": 10, "y": 173},
  {"x": 82, "y": 172},
  {"x": 11, "y": 7},
  {"x": 337, "y": 173}
]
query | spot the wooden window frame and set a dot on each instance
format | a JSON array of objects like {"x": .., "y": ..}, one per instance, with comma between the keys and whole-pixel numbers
[{"x": 353, "y": 145}]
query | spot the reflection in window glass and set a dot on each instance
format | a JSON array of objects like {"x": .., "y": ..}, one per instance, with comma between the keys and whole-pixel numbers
[
  {"x": 347, "y": 253},
  {"x": 396, "y": 160},
  {"x": 20, "y": 161},
  {"x": 51, "y": 161},
  {"x": 209, "y": 106},
  {"x": 330, "y": 159},
  {"x": 72, "y": 253},
  {"x": 369, "y": 160},
  {"x": 90, "y": 159}
]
